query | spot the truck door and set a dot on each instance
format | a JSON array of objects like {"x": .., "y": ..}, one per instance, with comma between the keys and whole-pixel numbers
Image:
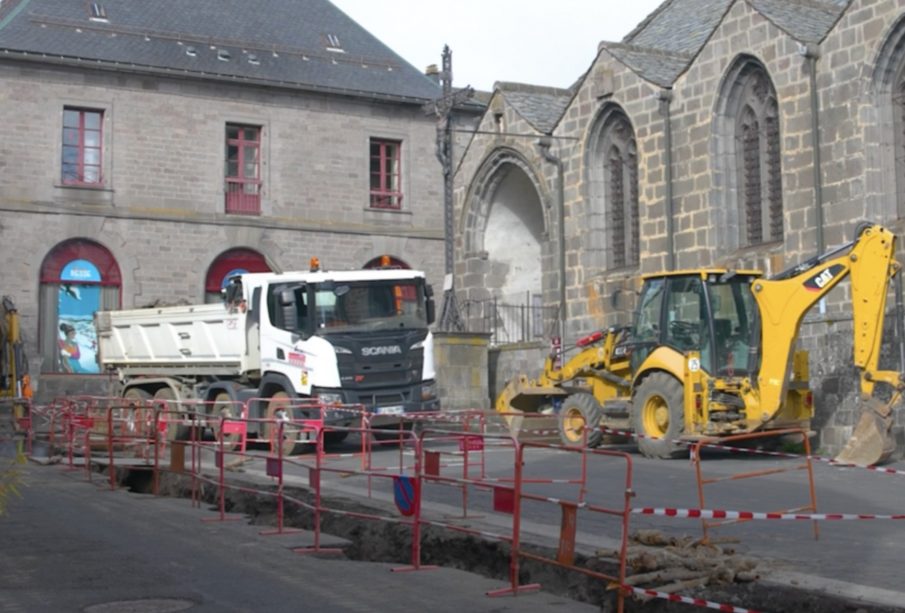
[{"x": 286, "y": 323}]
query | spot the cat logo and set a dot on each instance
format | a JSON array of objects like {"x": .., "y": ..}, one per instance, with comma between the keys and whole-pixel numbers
[{"x": 823, "y": 278}]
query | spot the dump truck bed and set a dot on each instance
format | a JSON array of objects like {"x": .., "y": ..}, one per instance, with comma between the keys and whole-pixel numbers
[{"x": 204, "y": 338}]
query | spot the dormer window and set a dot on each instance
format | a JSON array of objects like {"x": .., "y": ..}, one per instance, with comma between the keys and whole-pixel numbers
[
  {"x": 332, "y": 42},
  {"x": 98, "y": 12}
]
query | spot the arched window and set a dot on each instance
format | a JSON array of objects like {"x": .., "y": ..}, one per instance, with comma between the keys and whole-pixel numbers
[
  {"x": 78, "y": 278},
  {"x": 232, "y": 262},
  {"x": 758, "y": 169},
  {"x": 614, "y": 190}
]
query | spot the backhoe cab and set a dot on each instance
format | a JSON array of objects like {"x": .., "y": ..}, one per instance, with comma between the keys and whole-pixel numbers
[{"x": 711, "y": 353}]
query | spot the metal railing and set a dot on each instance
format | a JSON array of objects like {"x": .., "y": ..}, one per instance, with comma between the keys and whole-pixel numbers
[{"x": 509, "y": 323}]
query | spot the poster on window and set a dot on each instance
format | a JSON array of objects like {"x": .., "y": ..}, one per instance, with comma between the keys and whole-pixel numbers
[{"x": 79, "y": 298}]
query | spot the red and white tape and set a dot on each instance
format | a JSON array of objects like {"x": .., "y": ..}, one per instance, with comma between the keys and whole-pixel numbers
[
  {"x": 722, "y": 514},
  {"x": 698, "y": 602},
  {"x": 780, "y": 454}
]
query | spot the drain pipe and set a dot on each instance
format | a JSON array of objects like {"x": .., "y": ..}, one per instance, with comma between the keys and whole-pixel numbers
[
  {"x": 812, "y": 54},
  {"x": 665, "y": 110},
  {"x": 544, "y": 144}
]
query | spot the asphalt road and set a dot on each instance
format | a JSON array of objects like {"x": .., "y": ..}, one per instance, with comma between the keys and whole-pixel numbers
[{"x": 70, "y": 545}]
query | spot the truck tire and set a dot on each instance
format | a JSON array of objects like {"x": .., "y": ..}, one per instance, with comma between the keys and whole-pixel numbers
[
  {"x": 138, "y": 416},
  {"x": 579, "y": 417},
  {"x": 222, "y": 406},
  {"x": 658, "y": 417},
  {"x": 165, "y": 399},
  {"x": 277, "y": 408}
]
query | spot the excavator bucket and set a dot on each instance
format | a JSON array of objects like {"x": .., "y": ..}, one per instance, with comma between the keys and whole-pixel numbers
[
  {"x": 523, "y": 395},
  {"x": 871, "y": 442}
]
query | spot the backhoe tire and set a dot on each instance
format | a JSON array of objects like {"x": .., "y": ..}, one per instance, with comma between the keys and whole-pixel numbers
[
  {"x": 658, "y": 417},
  {"x": 579, "y": 417}
]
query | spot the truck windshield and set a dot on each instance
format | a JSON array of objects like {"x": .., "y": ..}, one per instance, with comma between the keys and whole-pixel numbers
[{"x": 369, "y": 306}]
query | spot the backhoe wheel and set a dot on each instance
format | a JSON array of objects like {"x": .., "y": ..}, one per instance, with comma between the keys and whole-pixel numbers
[
  {"x": 658, "y": 417},
  {"x": 223, "y": 407},
  {"x": 579, "y": 417},
  {"x": 171, "y": 415},
  {"x": 279, "y": 409}
]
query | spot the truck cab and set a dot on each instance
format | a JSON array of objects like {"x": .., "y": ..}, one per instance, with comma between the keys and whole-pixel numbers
[{"x": 345, "y": 337}]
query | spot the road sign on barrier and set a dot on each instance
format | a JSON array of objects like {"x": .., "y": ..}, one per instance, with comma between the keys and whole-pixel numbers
[{"x": 405, "y": 494}]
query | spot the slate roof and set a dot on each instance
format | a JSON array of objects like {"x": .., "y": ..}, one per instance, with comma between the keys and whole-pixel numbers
[
  {"x": 540, "y": 106},
  {"x": 654, "y": 65},
  {"x": 662, "y": 46},
  {"x": 806, "y": 20},
  {"x": 307, "y": 44}
]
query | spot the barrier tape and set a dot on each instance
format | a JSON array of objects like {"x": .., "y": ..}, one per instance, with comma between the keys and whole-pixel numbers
[
  {"x": 722, "y": 514},
  {"x": 780, "y": 454},
  {"x": 698, "y": 602}
]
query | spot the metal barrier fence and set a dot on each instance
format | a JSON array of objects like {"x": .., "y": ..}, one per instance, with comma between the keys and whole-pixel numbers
[
  {"x": 798, "y": 433},
  {"x": 134, "y": 434},
  {"x": 509, "y": 323}
]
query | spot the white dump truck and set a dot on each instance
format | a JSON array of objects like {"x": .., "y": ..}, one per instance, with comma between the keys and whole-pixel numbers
[{"x": 344, "y": 337}]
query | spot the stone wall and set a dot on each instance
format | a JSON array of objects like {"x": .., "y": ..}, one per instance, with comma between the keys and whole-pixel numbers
[{"x": 462, "y": 370}]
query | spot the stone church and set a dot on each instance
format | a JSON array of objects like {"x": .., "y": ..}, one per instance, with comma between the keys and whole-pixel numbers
[{"x": 723, "y": 133}]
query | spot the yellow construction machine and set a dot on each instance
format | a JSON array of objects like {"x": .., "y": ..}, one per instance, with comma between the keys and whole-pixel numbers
[{"x": 712, "y": 353}]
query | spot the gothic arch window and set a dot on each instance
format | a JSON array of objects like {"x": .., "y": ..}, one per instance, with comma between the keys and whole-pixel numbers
[
  {"x": 884, "y": 125},
  {"x": 898, "y": 109},
  {"x": 78, "y": 278},
  {"x": 231, "y": 262},
  {"x": 614, "y": 211},
  {"x": 758, "y": 168}
]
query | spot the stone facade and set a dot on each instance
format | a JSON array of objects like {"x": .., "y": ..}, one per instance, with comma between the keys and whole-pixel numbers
[
  {"x": 160, "y": 211},
  {"x": 856, "y": 49}
]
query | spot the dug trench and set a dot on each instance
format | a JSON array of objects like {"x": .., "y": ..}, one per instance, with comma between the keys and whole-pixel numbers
[{"x": 715, "y": 573}]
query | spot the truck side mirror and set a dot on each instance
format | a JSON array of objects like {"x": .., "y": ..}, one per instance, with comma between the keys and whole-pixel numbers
[{"x": 429, "y": 304}]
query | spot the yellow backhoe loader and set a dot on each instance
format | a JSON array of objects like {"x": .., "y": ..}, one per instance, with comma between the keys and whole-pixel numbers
[{"x": 712, "y": 353}]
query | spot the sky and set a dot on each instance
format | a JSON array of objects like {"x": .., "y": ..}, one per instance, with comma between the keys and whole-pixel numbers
[{"x": 527, "y": 41}]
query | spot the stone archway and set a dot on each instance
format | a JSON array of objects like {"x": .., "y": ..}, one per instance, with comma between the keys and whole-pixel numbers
[{"x": 507, "y": 251}]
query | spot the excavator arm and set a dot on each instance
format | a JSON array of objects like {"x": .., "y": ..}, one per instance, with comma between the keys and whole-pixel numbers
[{"x": 869, "y": 262}]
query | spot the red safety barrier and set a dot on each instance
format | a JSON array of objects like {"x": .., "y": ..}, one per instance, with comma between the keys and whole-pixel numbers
[
  {"x": 612, "y": 500},
  {"x": 807, "y": 466},
  {"x": 433, "y": 445}
]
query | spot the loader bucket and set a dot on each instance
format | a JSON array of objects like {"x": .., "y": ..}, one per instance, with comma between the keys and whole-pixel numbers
[
  {"x": 871, "y": 442},
  {"x": 525, "y": 396}
]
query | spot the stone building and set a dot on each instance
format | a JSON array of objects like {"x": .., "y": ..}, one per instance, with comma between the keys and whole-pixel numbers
[
  {"x": 152, "y": 148},
  {"x": 737, "y": 133}
]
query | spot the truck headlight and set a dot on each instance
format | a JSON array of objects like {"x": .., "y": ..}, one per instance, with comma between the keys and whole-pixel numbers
[{"x": 428, "y": 391}]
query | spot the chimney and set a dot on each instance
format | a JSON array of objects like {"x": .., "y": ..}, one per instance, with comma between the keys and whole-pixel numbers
[{"x": 433, "y": 73}]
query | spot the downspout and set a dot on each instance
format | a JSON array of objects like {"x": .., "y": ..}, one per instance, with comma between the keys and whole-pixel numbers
[
  {"x": 665, "y": 110},
  {"x": 812, "y": 54},
  {"x": 544, "y": 143}
]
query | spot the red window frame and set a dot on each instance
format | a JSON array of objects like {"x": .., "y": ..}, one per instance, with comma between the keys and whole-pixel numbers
[
  {"x": 82, "y": 154},
  {"x": 386, "y": 173},
  {"x": 242, "y": 169}
]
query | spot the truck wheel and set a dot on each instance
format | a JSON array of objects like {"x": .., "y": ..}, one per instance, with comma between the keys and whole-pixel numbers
[
  {"x": 172, "y": 415},
  {"x": 658, "y": 417},
  {"x": 579, "y": 417},
  {"x": 223, "y": 406},
  {"x": 138, "y": 418},
  {"x": 278, "y": 409}
]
